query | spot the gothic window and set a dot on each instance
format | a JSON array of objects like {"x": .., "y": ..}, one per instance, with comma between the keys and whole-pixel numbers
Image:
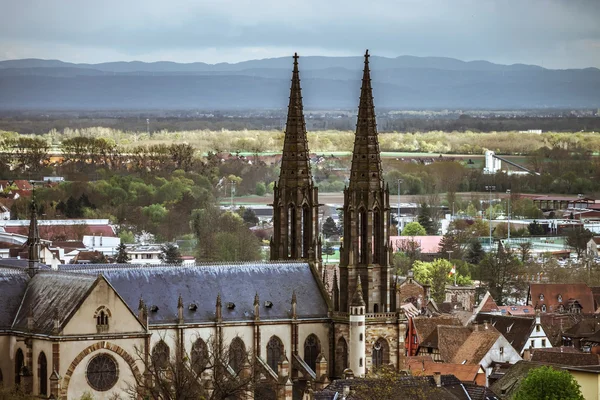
[
  {"x": 305, "y": 231},
  {"x": 312, "y": 348},
  {"x": 199, "y": 356},
  {"x": 377, "y": 235},
  {"x": 341, "y": 357},
  {"x": 102, "y": 372},
  {"x": 102, "y": 316},
  {"x": 362, "y": 236},
  {"x": 381, "y": 353},
  {"x": 161, "y": 355},
  {"x": 43, "y": 374},
  {"x": 291, "y": 234},
  {"x": 274, "y": 352},
  {"x": 237, "y": 354},
  {"x": 19, "y": 364}
]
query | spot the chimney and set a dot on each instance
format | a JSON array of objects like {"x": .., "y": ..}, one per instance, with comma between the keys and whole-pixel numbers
[
  {"x": 485, "y": 325},
  {"x": 437, "y": 377},
  {"x": 527, "y": 354}
]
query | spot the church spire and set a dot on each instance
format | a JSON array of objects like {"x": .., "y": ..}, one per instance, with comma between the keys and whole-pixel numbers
[
  {"x": 33, "y": 241},
  {"x": 366, "y": 171},
  {"x": 295, "y": 165}
]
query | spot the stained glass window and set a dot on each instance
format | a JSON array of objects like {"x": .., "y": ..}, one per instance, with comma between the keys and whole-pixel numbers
[{"x": 102, "y": 372}]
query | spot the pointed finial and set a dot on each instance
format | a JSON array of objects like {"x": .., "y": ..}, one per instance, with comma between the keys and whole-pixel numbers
[
  {"x": 296, "y": 57},
  {"x": 294, "y": 312},
  {"x": 367, "y": 55},
  {"x": 141, "y": 304},
  {"x": 359, "y": 284},
  {"x": 219, "y": 300},
  {"x": 180, "y": 302},
  {"x": 219, "y": 309},
  {"x": 256, "y": 300},
  {"x": 294, "y": 297}
]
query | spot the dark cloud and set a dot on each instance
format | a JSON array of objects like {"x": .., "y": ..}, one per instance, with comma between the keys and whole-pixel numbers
[{"x": 552, "y": 33}]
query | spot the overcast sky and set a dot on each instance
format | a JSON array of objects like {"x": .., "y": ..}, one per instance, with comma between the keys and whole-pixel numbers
[{"x": 551, "y": 33}]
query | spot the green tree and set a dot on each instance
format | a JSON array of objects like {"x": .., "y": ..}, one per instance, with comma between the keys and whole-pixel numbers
[
  {"x": 122, "y": 256},
  {"x": 498, "y": 270},
  {"x": 546, "y": 383},
  {"x": 413, "y": 229},
  {"x": 426, "y": 219},
  {"x": 327, "y": 249},
  {"x": 249, "y": 217},
  {"x": 535, "y": 229},
  {"x": 170, "y": 254},
  {"x": 261, "y": 189},
  {"x": 329, "y": 227},
  {"x": 578, "y": 238},
  {"x": 475, "y": 253},
  {"x": 127, "y": 237},
  {"x": 437, "y": 275}
]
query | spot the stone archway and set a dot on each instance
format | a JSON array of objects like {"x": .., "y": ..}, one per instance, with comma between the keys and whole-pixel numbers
[{"x": 102, "y": 345}]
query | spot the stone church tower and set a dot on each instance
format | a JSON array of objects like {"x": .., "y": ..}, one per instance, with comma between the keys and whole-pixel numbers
[
  {"x": 295, "y": 199},
  {"x": 365, "y": 251}
]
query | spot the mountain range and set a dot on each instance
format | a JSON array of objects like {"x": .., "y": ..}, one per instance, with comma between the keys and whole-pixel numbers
[{"x": 404, "y": 82}]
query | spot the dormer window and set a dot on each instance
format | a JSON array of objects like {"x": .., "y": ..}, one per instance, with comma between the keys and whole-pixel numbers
[
  {"x": 559, "y": 298},
  {"x": 268, "y": 304},
  {"x": 192, "y": 307},
  {"x": 541, "y": 297},
  {"x": 230, "y": 306},
  {"x": 543, "y": 308}
]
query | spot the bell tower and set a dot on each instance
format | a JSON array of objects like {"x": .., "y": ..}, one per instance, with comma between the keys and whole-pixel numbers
[
  {"x": 364, "y": 254},
  {"x": 295, "y": 198}
]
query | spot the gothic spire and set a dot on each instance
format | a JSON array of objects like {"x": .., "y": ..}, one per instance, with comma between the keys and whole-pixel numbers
[
  {"x": 358, "y": 300},
  {"x": 33, "y": 241},
  {"x": 366, "y": 171},
  {"x": 295, "y": 166}
]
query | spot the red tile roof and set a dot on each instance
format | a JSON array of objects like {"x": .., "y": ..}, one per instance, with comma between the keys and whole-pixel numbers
[
  {"x": 548, "y": 294},
  {"x": 23, "y": 184},
  {"x": 464, "y": 372},
  {"x": 65, "y": 232}
]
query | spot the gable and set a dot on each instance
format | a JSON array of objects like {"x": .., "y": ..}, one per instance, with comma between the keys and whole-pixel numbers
[{"x": 102, "y": 298}]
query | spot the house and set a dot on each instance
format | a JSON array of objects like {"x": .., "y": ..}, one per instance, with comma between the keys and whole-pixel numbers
[
  {"x": 466, "y": 373},
  {"x": 574, "y": 298},
  {"x": 438, "y": 386},
  {"x": 409, "y": 290},
  {"x": 62, "y": 229},
  {"x": 144, "y": 254},
  {"x": 443, "y": 343},
  {"x": 508, "y": 384},
  {"x": 420, "y": 328},
  {"x": 565, "y": 356},
  {"x": 588, "y": 378},
  {"x": 523, "y": 333},
  {"x": 88, "y": 257},
  {"x": 485, "y": 346},
  {"x": 592, "y": 246},
  {"x": 578, "y": 334}
]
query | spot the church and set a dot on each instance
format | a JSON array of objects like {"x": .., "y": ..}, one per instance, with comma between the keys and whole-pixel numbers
[{"x": 109, "y": 329}]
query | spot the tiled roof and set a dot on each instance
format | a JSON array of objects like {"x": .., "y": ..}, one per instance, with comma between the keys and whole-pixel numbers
[
  {"x": 464, "y": 373},
  {"x": 425, "y": 326},
  {"x": 565, "y": 356},
  {"x": 161, "y": 286},
  {"x": 450, "y": 339},
  {"x": 517, "y": 310},
  {"x": 516, "y": 330},
  {"x": 551, "y": 291},
  {"x": 476, "y": 346},
  {"x": 64, "y": 232},
  {"x": 488, "y": 304},
  {"x": 509, "y": 383}
]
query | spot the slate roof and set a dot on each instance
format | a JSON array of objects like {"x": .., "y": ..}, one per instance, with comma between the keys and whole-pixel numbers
[
  {"x": 568, "y": 291},
  {"x": 13, "y": 283},
  {"x": 161, "y": 286},
  {"x": 476, "y": 346},
  {"x": 50, "y": 292},
  {"x": 515, "y": 329},
  {"x": 565, "y": 356}
]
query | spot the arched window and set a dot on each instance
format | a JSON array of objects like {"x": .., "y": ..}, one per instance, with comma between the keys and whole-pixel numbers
[
  {"x": 362, "y": 236},
  {"x": 43, "y": 374},
  {"x": 381, "y": 353},
  {"x": 161, "y": 355},
  {"x": 305, "y": 230},
  {"x": 377, "y": 235},
  {"x": 543, "y": 308},
  {"x": 102, "y": 316},
  {"x": 312, "y": 349},
  {"x": 19, "y": 364},
  {"x": 199, "y": 356},
  {"x": 274, "y": 352},
  {"x": 237, "y": 354},
  {"x": 291, "y": 234},
  {"x": 341, "y": 357}
]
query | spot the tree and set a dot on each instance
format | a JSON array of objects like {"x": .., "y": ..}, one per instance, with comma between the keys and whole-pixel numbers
[
  {"x": 328, "y": 250},
  {"x": 261, "y": 189},
  {"x": 249, "y": 217},
  {"x": 413, "y": 229},
  {"x": 475, "y": 253},
  {"x": 578, "y": 238},
  {"x": 525, "y": 251},
  {"x": 122, "y": 256},
  {"x": 549, "y": 383},
  {"x": 329, "y": 227},
  {"x": 212, "y": 371},
  {"x": 170, "y": 254},
  {"x": 498, "y": 270},
  {"x": 426, "y": 219},
  {"x": 437, "y": 275},
  {"x": 535, "y": 229}
]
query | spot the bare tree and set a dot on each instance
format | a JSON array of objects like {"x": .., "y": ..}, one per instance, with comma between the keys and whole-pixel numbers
[{"x": 211, "y": 371}]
